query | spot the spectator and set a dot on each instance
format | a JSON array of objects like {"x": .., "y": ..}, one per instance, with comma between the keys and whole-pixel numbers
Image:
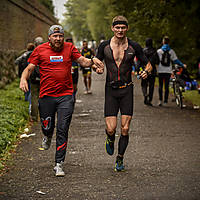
[
  {"x": 35, "y": 86},
  {"x": 148, "y": 83},
  {"x": 167, "y": 56},
  {"x": 22, "y": 62},
  {"x": 75, "y": 74}
]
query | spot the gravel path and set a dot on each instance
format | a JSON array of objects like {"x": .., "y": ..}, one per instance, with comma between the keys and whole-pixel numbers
[{"x": 162, "y": 160}]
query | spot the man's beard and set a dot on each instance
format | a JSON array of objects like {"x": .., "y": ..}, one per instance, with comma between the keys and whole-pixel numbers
[{"x": 57, "y": 49}]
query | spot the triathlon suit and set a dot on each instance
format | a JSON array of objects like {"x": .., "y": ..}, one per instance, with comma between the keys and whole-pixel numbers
[
  {"x": 75, "y": 72},
  {"x": 56, "y": 89},
  {"x": 119, "y": 87},
  {"x": 88, "y": 54}
]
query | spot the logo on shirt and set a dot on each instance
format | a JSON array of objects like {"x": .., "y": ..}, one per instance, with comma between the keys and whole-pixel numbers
[{"x": 56, "y": 58}]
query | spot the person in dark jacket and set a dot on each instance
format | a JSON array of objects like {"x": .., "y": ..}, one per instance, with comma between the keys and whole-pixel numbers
[
  {"x": 35, "y": 86},
  {"x": 75, "y": 74},
  {"x": 22, "y": 62},
  {"x": 151, "y": 53}
]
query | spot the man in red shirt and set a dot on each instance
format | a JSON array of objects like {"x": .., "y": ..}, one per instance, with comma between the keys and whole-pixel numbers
[{"x": 56, "y": 88}]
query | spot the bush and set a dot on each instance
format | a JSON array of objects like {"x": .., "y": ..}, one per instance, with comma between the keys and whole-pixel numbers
[{"x": 13, "y": 115}]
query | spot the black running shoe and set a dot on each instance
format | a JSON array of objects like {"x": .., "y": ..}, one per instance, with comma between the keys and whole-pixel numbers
[{"x": 119, "y": 166}]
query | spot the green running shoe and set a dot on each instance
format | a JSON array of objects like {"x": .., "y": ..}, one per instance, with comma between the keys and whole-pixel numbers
[
  {"x": 119, "y": 166},
  {"x": 109, "y": 146}
]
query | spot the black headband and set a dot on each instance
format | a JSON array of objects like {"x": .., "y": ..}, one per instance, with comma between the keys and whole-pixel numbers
[{"x": 120, "y": 22}]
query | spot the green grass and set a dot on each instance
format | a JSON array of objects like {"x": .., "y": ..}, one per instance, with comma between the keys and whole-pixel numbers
[
  {"x": 192, "y": 96},
  {"x": 13, "y": 118}
]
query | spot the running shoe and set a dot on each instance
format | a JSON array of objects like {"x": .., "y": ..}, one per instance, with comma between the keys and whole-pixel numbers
[
  {"x": 89, "y": 92},
  {"x": 58, "y": 170},
  {"x": 119, "y": 166},
  {"x": 109, "y": 146},
  {"x": 149, "y": 104},
  {"x": 160, "y": 103},
  {"x": 46, "y": 142},
  {"x": 145, "y": 100}
]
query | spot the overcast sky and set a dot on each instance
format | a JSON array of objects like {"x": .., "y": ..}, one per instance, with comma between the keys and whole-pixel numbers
[{"x": 59, "y": 9}]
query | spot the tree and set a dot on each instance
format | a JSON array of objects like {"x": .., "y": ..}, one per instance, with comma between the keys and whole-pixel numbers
[
  {"x": 76, "y": 19},
  {"x": 179, "y": 19}
]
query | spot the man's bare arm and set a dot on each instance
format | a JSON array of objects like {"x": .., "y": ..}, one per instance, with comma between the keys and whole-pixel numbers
[
  {"x": 147, "y": 70},
  {"x": 85, "y": 62},
  {"x": 148, "y": 67},
  {"x": 25, "y": 76}
]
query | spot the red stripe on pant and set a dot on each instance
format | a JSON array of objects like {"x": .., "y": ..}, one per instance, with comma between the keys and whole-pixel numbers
[{"x": 63, "y": 146}]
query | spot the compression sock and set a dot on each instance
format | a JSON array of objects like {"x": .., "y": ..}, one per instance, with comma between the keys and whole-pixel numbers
[
  {"x": 111, "y": 137},
  {"x": 119, "y": 158},
  {"x": 123, "y": 143}
]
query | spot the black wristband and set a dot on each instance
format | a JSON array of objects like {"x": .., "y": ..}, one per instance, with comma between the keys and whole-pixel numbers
[
  {"x": 92, "y": 60},
  {"x": 146, "y": 72}
]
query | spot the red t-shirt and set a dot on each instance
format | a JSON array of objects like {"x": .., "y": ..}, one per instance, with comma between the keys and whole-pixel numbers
[{"x": 55, "y": 69}]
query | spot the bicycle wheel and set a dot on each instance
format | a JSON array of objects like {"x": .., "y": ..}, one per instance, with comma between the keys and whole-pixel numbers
[
  {"x": 174, "y": 90},
  {"x": 178, "y": 96},
  {"x": 181, "y": 98}
]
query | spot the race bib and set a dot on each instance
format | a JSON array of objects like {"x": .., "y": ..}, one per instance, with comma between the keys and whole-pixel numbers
[{"x": 56, "y": 58}]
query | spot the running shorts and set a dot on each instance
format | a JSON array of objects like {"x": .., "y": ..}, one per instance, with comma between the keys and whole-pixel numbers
[
  {"x": 86, "y": 70},
  {"x": 118, "y": 99}
]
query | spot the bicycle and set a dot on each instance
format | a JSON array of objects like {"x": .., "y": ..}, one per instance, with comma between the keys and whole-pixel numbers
[{"x": 177, "y": 89}]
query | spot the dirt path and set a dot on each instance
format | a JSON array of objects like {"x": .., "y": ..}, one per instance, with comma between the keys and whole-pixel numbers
[{"x": 162, "y": 160}]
